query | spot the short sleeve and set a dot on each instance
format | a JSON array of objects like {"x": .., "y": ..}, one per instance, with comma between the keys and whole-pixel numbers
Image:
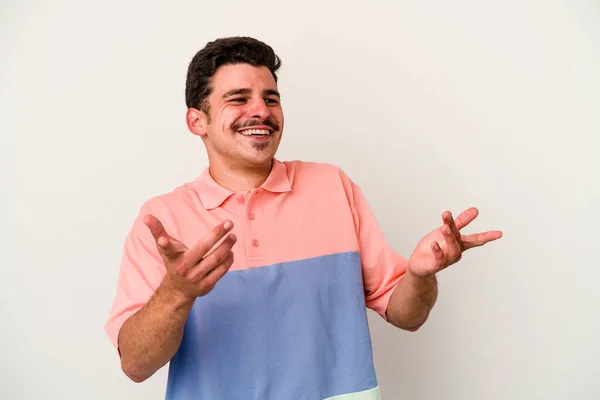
[
  {"x": 382, "y": 267},
  {"x": 141, "y": 272}
]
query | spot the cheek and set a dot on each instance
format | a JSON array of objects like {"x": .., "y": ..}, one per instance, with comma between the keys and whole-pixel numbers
[
  {"x": 229, "y": 116},
  {"x": 278, "y": 114}
]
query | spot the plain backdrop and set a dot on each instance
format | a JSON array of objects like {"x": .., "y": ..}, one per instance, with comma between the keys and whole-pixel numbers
[{"x": 427, "y": 105}]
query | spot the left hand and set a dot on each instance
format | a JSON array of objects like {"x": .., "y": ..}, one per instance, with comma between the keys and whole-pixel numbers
[{"x": 445, "y": 245}]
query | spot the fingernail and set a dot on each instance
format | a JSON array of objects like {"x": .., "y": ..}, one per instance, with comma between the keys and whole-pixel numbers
[
  {"x": 228, "y": 225},
  {"x": 448, "y": 231},
  {"x": 232, "y": 238}
]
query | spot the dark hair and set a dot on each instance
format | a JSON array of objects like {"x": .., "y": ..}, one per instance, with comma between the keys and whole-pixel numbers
[{"x": 224, "y": 51}]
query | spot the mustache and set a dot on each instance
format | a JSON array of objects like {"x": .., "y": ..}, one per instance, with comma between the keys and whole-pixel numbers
[{"x": 247, "y": 124}]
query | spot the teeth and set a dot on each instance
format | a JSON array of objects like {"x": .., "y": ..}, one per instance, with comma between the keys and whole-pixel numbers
[{"x": 249, "y": 132}]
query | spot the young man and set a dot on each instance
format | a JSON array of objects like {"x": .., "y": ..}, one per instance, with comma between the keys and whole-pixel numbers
[{"x": 253, "y": 279}]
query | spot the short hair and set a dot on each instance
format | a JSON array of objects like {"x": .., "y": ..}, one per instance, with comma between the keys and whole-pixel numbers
[{"x": 224, "y": 51}]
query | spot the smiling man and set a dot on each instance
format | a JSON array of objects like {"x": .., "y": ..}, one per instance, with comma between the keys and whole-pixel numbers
[{"x": 252, "y": 281}]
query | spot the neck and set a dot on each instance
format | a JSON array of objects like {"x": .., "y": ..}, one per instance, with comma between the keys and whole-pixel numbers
[{"x": 237, "y": 178}]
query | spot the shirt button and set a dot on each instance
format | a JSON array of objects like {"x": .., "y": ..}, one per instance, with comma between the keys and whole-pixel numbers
[
  {"x": 240, "y": 199},
  {"x": 251, "y": 216},
  {"x": 255, "y": 243}
]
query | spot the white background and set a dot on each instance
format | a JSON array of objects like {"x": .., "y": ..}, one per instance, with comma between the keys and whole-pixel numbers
[{"x": 427, "y": 105}]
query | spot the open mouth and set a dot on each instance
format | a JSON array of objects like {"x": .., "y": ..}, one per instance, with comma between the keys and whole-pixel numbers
[{"x": 256, "y": 132}]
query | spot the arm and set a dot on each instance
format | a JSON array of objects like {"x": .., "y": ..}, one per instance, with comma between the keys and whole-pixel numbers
[
  {"x": 412, "y": 300},
  {"x": 404, "y": 291},
  {"x": 150, "y": 338},
  {"x": 414, "y": 296}
]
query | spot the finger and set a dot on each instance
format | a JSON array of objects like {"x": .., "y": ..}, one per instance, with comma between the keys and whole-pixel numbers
[
  {"x": 448, "y": 220},
  {"x": 203, "y": 246},
  {"x": 170, "y": 248},
  {"x": 166, "y": 244},
  {"x": 211, "y": 261},
  {"x": 155, "y": 226},
  {"x": 466, "y": 217},
  {"x": 211, "y": 279},
  {"x": 453, "y": 248},
  {"x": 438, "y": 254},
  {"x": 479, "y": 239}
]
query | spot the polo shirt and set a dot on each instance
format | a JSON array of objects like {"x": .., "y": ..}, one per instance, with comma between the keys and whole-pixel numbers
[{"x": 288, "y": 320}]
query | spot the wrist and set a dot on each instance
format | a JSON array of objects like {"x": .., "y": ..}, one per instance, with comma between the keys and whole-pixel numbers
[
  {"x": 420, "y": 279},
  {"x": 174, "y": 295}
]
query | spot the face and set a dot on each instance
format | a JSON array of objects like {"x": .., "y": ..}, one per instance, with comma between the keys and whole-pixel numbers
[{"x": 244, "y": 123}]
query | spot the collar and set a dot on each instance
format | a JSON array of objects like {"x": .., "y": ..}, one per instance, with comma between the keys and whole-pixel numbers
[{"x": 213, "y": 195}]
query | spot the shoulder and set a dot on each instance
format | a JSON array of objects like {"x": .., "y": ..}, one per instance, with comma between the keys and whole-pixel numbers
[
  {"x": 166, "y": 203},
  {"x": 320, "y": 180},
  {"x": 315, "y": 171}
]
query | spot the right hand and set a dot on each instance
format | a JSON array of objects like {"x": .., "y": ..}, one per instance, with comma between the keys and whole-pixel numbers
[{"x": 193, "y": 272}]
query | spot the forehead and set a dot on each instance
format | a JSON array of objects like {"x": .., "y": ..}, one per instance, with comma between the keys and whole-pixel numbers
[{"x": 238, "y": 76}]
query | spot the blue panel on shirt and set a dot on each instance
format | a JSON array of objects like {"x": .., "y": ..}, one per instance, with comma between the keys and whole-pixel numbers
[{"x": 296, "y": 330}]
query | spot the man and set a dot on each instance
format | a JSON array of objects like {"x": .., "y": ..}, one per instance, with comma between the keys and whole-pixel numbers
[{"x": 253, "y": 279}]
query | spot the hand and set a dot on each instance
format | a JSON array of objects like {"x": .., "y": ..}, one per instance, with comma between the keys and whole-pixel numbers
[
  {"x": 445, "y": 245},
  {"x": 192, "y": 272}
]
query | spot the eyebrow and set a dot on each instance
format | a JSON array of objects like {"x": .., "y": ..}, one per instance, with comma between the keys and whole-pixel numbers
[{"x": 234, "y": 92}]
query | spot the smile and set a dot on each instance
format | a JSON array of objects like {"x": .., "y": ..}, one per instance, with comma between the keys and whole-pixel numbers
[{"x": 255, "y": 132}]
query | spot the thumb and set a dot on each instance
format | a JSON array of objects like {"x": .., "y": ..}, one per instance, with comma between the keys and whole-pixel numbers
[{"x": 167, "y": 245}]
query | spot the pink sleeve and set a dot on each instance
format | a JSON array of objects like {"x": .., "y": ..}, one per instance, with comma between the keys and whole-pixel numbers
[
  {"x": 382, "y": 267},
  {"x": 141, "y": 272}
]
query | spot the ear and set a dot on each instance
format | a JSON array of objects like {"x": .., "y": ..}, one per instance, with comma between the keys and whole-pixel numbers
[{"x": 196, "y": 121}]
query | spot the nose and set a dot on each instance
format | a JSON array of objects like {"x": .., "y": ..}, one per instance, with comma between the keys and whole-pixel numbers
[{"x": 258, "y": 109}]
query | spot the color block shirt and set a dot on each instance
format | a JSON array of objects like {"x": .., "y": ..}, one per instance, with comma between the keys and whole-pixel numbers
[{"x": 288, "y": 321}]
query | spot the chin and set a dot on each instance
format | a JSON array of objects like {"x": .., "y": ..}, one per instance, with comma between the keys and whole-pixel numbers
[{"x": 259, "y": 159}]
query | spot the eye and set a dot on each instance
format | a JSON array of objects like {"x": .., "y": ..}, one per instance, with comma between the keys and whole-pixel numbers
[
  {"x": 272, "y": 101},
  {"x": 238, "y": 100}
]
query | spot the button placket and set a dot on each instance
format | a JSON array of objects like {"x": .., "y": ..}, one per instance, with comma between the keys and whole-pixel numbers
[{"x": 256, "y": 252}]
